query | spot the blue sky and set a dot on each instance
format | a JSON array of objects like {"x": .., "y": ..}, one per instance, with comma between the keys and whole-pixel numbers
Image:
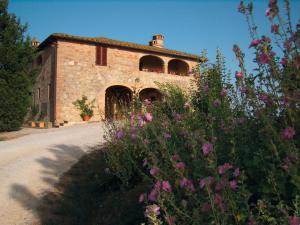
[{"x": 188, "y": 25}]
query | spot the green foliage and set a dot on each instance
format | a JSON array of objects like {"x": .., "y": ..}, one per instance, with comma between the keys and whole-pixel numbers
[
  {"x": 17, "y": 75},
  {"x": 85, "y": 107}
]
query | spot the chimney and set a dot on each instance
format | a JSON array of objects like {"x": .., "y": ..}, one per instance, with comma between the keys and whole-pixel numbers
[
  {"x": 35, "y": 42},
  {"x": 157, "y": 41}
]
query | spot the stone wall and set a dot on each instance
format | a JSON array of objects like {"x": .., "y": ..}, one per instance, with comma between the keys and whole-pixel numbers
[{"x": 78, "y": 75}]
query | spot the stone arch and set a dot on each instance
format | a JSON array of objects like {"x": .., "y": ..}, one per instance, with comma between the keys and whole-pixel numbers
[
  {"x": 178, "y": 67},
  {"x": 151, "y": 94},
  {"x": 151, "y": 63},
  {"x": 117, "y": 101}
]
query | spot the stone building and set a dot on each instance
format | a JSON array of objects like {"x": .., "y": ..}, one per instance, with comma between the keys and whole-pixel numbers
[{"x": 105, "y": 70}]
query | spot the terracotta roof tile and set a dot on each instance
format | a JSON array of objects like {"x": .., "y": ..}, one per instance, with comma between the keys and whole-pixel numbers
[{"x": 111, "y": 42}]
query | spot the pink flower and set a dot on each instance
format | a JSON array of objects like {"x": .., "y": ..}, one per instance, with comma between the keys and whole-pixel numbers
[
  {"x": 288, "y": 133},
  {"x": 166, "y": 186},
  {"x": 254, "y": 43},
  {"x": 171, "y": 220},
  {"x": 220, "y": 185},
  {"x": 205, "y": 88},
  {"x": 206, "y": 181},
  {"x": 146, "y": 141},
  {"x": 239, "y": 75},
  {"x": 207, "y": 148},
  {"x": 264, "y": 98},
  {"x": 180, "y": 166},
  {"x": 119, "y": 134},
  {"x": 186, "y": 183},
  {"x": 153, "y": 195},
  {"x": 157, "y": 185},
  {"x": 233, "y": 184},
  {"x": 145, "y": 162},
  {"x": 141, "y": 198},
  {"x": 218, "y": 200},
  {"x": 263, "y": 58},
  {"x": 275, "y": 28},
  {"x": 167, "y": 135},
  {"x": 177, "y": 117},
  {"x": 148, "y": 117},
  {"x": 152, "y": 210},
  {"x": 224, "y": 92},
  {"x": 223, "y": 168},
  {"x": 294, "y": 220},
  {"x": 147, "y": 102},
  {"x": 243, "y": 90},
  {"x": 186, "y": 105},
  {"x": 202, "y": 183},
  {"x": 175, "y": 157},
  {"x": 236, "y": 172},
  {"x": 154, "y": 171},
  {"x": 217, "y": 103},
  {"x": 284, "y": 61}
]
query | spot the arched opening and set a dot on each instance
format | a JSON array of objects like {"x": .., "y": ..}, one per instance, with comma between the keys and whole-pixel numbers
[
  {"x": 150, "y": 94},
  {"x": 178, "y": 67},
  {"x": 151, "y": 63},
  {"x": 117, "y": 101}
]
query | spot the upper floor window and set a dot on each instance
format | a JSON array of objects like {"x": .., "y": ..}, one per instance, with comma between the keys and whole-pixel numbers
[
  {"x": 178, "y": 67},
  {"x": 151, "y": 63},
  {"x": 101, "y": 55}
]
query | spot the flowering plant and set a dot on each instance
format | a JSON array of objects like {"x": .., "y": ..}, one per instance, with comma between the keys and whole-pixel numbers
[{"x": 226, "y": 153}]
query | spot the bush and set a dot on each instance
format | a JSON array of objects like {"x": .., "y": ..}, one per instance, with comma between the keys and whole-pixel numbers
[
  {"x": 227, "y": 154},
  {"x": 16, "y": 73}
]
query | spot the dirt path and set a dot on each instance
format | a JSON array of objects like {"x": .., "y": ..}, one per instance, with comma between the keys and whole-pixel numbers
[{"x": 31, "y": 165}]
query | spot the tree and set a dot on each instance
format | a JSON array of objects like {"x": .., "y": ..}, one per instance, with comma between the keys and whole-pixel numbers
[{"x": 17, "y": 74}]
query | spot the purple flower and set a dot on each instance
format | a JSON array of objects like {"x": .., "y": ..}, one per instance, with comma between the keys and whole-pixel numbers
[
  {"x": 223, "y": 168},
  {"x": 206, "y": 181},
  {"x": 236, "y": 172},
  {"x": 141, "y": 198},
  {"x": 148, "y": 117},
  {"x": 180, "y": 165},
  {"x": 206, "y": 88},
  {"x": 241, "y": 7},
  {"x": 294, "y": 220},
  {"x": 239, "y": 75},
  {"x": 166, "y": 186},
  {"x": 254, "y": 43},
  {"x": 207, "y": 148},
  {"x": 288, "y": 133},
  {"x": 154, "y": 171},
  {"x": 157, "y": 185},
  {"x": 167, "y": 135},
  {"x": 119, "y": 134},
  {"x": 186, "y": 183},
  {"x": 233, "y": 184}
]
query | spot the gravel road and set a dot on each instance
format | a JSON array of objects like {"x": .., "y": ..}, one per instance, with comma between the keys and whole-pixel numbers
[{"x": 31, "y": 165}]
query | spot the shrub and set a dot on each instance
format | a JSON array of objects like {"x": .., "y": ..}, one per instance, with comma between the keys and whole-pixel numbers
[
  {"x": 226, "y": 154},
  {"x": 16, "y": 73},
  {"x": 86, "y": 108}
]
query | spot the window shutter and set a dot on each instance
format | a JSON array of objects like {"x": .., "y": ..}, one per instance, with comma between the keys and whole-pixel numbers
[
  {"x": 98, "y": 55},
  {"x": 104, "y": 56}
]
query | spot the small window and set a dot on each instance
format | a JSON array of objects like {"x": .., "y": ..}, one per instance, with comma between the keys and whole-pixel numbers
[
  {"x": 39, "y": 93},
  {"x": 101, "y": 56}
]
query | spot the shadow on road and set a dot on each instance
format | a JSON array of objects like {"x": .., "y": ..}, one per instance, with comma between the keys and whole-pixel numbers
[{"x": 84, "y": 195}]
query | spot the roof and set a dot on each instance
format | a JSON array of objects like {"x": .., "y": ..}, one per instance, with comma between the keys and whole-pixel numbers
[{"x": 122, "y": 44}]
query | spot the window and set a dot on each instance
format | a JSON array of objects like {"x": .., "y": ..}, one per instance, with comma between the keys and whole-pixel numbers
[
  {"x": 40, "y": 60},
  {"x": 101, "y": 56}
]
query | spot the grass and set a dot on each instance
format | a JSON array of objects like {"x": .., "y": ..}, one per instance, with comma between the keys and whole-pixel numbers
[{"x": 87, "y": 195}]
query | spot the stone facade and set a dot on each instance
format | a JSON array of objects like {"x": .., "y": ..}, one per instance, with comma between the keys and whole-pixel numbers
[{"x": 69, "y": 70}]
